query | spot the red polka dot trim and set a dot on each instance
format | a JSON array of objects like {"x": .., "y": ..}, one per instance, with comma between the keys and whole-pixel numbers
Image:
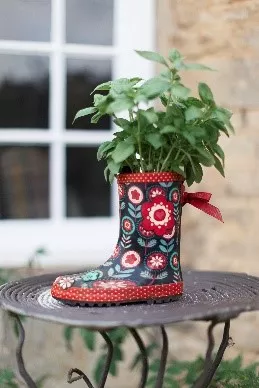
[
  {"x": 149, "y": 177},
  {"x": 127, "y": 294}
]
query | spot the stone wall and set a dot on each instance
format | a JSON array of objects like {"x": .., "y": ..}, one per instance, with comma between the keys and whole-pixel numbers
[{"x": 223, "y": 34}]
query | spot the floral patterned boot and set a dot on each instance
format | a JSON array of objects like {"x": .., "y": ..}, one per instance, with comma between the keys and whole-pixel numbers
[{"x": 145, "y": 265}]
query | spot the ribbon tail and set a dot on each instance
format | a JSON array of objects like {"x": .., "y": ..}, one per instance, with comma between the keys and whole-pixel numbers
[{"x": 207, "y": 208}]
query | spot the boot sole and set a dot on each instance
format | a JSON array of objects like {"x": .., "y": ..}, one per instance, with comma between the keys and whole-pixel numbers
[
  {"x": 113, "y": 297},
  {"x": 77, "y": 303}
]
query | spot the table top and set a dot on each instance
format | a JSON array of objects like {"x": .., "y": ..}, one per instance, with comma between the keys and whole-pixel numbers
[{"x": 207, "y": 296}]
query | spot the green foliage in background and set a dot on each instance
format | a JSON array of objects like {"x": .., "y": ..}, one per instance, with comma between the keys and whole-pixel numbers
[
  {"x": 182, "y": 137},
  {"x": 179, "y": 374},
  {"x": 230, "y": 374}
]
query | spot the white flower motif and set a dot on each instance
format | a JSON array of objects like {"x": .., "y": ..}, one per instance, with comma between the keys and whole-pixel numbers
[
  {"x": 65, "y": 282},
  {"x": 156, "y": 192},
  {"x": 156, "y": 261},
  {"x": 159, "y": 214}
]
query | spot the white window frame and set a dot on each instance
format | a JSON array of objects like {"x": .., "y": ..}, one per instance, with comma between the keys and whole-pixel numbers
[{"x": 73, "y": 241}]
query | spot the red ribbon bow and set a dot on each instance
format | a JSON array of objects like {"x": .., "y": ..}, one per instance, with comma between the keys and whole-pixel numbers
[{"x": 200, "y": 200}]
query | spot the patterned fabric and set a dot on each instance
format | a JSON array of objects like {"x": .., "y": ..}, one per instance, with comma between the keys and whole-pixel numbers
[{"x": 148, "y": 249}]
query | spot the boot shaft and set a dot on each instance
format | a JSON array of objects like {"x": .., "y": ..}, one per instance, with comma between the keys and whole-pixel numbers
[{"x": 150, "y": 224}]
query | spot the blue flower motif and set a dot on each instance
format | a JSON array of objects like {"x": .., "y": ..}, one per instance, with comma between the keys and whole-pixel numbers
[{"x": 92, "y": 275}]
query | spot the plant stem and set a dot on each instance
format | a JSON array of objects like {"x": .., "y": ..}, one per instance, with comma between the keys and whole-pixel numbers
[
  {"x": 160, "y": 156},
  {"x": 139, "y": 147},
  {"x": 167, "y": 158},
  {"x": 149, "y": 156},
  {"x": 131, "y": 115}
]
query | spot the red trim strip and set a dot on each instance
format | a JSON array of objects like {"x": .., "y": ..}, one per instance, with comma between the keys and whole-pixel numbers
[
  {"x": 127, "y": 294},
  {"x": 149, "y": 177}
]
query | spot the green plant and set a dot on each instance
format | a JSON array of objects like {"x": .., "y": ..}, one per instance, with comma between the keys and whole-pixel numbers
[
  {"x": 182, "y": 136},
  {"x": 230, "y": 374},
  {"x": 89, "y": 337},
  {"x": 7, "y": 379}
]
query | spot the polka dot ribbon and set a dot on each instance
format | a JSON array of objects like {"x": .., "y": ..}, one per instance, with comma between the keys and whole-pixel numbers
[{"x": 201, "y": 200}]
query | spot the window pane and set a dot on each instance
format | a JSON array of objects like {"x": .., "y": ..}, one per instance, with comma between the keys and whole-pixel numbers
[
  {"x": 25, "y": 20},
  {"x": 24, "y": 91},
  {"x": 90, "y": 21},
  {"x": 24, "y": 182},
  {"x": 88, "y": 194},
  {"x": 82, "y": 77}
]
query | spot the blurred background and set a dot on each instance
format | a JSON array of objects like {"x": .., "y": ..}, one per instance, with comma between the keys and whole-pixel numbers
[{"x": 52, "y": 190}]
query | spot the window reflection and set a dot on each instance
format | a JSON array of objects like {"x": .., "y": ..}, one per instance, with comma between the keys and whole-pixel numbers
[
  {"x": 88, "y": 194},
  {"x": 89, "y": 21},
  {"x": 82, "y": 77},
  {"x": 25, "y": 20},
  {"x": 24, "y": 182},
  {"x": 24, "y": 91}
]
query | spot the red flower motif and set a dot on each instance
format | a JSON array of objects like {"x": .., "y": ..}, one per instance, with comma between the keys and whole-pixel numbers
[
  {"x": 175, "y": 196},
  {"x": 175, "y": 260},
  {"x": 144, "y": 232},
  {"x": 130, "y": 259},
  {"x": 156, "y": 261},
  {"x": 127, "y": 225},
  {"x": 135, "y": 195},
  {"x": 113, "y": 284},
  {"x": 158, "y": 215}
]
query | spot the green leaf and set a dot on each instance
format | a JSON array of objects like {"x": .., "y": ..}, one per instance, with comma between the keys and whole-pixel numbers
[
  {"x": 98, "y": 370},
  {"x": 205, "y": 157},
  {"x": 99, "y": 99},
  {"x": 180, "y": 91},
  {"x": 104, "y": 147},
  {"x": 196, "y": 66},
  {"x": 154, "y": 87},
  {"x": 122, "y": 151},
  {"x": 196, "y": 131},
  {"x": 68, "y": 335},
  {"x": 84, "y": 112},
  {"x": 175, "y": 55},
  {"x": 118, "y": 354},
  {"x": 150, "y": 115},
  {"x": 103, "y": 86},
  {"x": 152, "y": 56},
  {"x": 219, "y": 166},
  {"x": 192, "y": 113},
  {"x": 114, "y": 167},
  {"x": 123, "y": 123},
  {"x": 164, "y": 99},
  {"x": 194, "y": 101},
  {"x": 169, "y": 129},
  {"x": 89, "y": 338},
  {"x": 189, "y": 137},
  {"x": 177, "y": 169},
  {"x": 205, "y": 93},
  {"x": 223, "y": 115},
  {"x": 198, "y": 171},
  {"x": 106, "y": 171},
  {"x": 121, "y": 86},
  {"x": 119, "y": 105},
  {"x": 219, "y": 151},
  {"x": 155, "y": 140},
  {"x": 95, "y": 118}
]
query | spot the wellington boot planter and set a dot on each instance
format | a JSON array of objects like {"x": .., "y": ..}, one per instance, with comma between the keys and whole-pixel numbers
[{"x": 145, "y": 265}]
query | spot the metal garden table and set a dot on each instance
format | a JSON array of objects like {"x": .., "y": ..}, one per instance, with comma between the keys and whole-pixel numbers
[{"x": 208, "y": 296}]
